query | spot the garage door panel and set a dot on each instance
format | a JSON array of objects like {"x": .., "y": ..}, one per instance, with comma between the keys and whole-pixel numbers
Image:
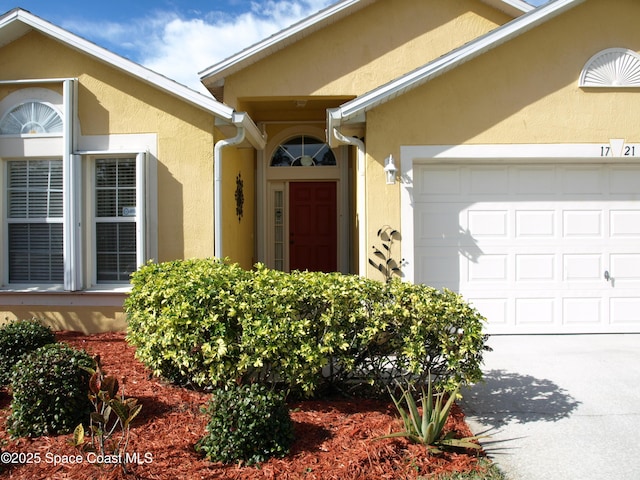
[
  {"x": 626, "y": 267},
  {"x": 582, "y": 310},
  {"x": 535, "y": 267},
  {"x": 584, "y": 180},
  {"x": 539, "y": 180},
  {"x": 624, "y": 223},
  {"x": 580, "y": 267},
  {"x": 623, "y": 180},
  {"x": 488, "y": 181},
  {"x": 482, "y": 223},
  {"x": 582, "y": 223},
  {"x": 529, "y": 245},
  {"x": 436, "y": 221},
  {"x": 624, "y": 311},
  {"x": 488, "y": 268},
  {"x": 496, "y": 310},
  {"x": 441, "y": 269},
  {"x": 535, "y": 223},
  {"x": 535, "y": 311},
  {"x": 438, "y": 181}
]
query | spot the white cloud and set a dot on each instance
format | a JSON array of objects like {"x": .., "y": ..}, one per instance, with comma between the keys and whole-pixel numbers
[{"x": 179, "y": 46}]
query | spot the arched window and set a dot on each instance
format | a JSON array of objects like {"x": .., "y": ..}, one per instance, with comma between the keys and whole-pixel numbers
[
  {"x": 303, "y": 151},
  {"x": 31, "y": 118}
]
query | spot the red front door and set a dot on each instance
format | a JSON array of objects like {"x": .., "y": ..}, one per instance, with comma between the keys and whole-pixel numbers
[{"x": 313, "y": 226}]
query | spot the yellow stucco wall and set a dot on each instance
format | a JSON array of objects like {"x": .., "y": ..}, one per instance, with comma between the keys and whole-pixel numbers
[
  {"x": 238, "y": 230},
  {"x": 364, "y": 50},
  {"x": 111, "y": 102},
  {"x": 525, "y": 91}
]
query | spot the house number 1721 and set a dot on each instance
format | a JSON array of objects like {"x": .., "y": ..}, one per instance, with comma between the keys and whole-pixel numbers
[{"x": 627, "y": 151}]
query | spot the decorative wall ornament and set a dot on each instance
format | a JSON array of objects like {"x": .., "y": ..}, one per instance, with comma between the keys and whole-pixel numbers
[
  {"x": 613, "y": 67},
  {"x": 239, "y": 197}
]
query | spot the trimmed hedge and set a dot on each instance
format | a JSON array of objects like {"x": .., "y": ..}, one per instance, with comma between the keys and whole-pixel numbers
[
  {"x": 210, "y": 324},
  {"x": 247, "y": 423},
  {"x": 50, "y": 389},
  {"x": 18, "y": 338}
]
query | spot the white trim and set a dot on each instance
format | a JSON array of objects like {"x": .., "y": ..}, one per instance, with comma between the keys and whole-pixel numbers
[
  {"x": 117, "y": 143},
  {"x": 407, "y": 248},
  {"x": 72, "y": 191},
  {"x": 616, "y": 149},
  {"x": 26, "y": 147},
  {"x": 510, "y": 7},
  {"x": 141, "y": 208}
]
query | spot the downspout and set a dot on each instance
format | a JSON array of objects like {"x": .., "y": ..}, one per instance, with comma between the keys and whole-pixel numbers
[
  {"x": 217, "y": 184},
  {"x": 334, "y": 138}
]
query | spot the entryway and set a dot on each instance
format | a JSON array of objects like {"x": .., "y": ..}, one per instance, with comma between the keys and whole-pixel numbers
[{"x": 303, "y": 223}]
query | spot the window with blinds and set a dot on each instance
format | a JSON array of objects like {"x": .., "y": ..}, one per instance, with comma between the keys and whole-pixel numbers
[
  {"x": 34, "y": 218},
  {"x": 115, "y": 219}
]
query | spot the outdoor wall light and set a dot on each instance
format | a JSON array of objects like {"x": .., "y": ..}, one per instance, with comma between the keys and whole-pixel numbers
[{"x": 390, "y": 170}]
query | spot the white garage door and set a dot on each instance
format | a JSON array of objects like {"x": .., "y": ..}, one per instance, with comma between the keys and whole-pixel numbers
[{"x": 536, "y": 248}]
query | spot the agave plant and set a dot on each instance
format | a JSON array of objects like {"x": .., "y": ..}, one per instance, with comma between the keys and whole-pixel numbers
[{"x": 426, "y": 428}]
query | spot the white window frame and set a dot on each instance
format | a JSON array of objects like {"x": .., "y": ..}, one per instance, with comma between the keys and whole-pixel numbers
[
  {"x": 76, "y": 152},
  {"x": 140, "y": 217}
]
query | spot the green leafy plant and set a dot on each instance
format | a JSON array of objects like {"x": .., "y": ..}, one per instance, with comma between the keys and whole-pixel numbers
[
  {"x": 18, "y": 338},
  {"x": 49, "y": 391},
  {"x": 383, "y": 260},
  {"x": 210, "y": 324},
  {"x": 112, "y": 415},
  {"x": 247, "y": 423},
  {"x": 427, "y": 427}
]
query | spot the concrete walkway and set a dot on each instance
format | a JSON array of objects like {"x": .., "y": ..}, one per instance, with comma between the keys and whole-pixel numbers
[{"x": 560, "y": 407}]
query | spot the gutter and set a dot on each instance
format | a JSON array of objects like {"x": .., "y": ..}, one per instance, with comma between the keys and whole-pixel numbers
[
  {"x": 336, "y": 138},
  {"x": 246, "y": 129}
]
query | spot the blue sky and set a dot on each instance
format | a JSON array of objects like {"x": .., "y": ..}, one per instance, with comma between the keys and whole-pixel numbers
[{"x": 174, "y": 37}]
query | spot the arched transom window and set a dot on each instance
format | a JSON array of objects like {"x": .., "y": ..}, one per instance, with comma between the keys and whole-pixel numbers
[
  {"x": 303, "y": 151},
  {"x": 31, "y": 118}
]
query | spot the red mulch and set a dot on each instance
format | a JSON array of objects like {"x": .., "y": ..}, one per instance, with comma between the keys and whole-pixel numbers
[{"x": 334, "y": 438}]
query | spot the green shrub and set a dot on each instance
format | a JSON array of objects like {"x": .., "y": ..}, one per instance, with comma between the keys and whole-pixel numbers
[
  {"x": 16, "y": 339},
  {"x": 434, "y": 331},
  {"x": 246, "y": 423},
  {"x": 50, "y": 391},
  {"x": 211, "y": 324},
  {"x": 182, "y": 319}
]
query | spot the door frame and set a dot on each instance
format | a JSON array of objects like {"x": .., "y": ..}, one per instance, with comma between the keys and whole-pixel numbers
[{"x": 276, "y": 179}]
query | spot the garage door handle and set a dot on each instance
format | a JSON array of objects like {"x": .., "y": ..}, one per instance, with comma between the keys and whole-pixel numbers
[{"x": 607, "y": 277}]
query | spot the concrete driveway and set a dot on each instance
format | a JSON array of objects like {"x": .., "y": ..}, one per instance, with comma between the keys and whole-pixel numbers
[{"x": 560, "y": 406}]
